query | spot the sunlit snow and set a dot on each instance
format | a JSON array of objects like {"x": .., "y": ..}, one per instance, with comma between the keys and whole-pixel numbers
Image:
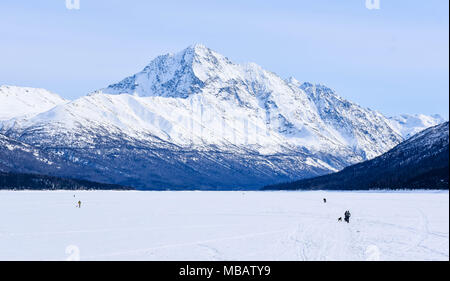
[{"x": 224, "y": 226}]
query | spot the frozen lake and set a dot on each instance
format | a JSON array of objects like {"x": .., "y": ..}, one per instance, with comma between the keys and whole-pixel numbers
[{"x": 223, "y": 225}]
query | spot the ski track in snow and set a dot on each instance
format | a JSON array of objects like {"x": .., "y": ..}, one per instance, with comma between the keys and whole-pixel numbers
[
  {"x": 194, "y": 243},
  {"x": 224, "y": 225}
]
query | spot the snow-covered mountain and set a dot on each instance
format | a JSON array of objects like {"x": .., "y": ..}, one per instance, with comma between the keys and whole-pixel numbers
[
  {"x": 408, "y": 125},
  {"x": 243, "y": 104},
  {"x": 420, "y": 162},
  {"x": 196, "y": 119},
  {"x": 25, "y": 101}
]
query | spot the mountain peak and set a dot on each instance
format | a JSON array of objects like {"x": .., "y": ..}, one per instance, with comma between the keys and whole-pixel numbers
[
  {"x": 189, "y": 54},
  {"x": 20, "y": 101},
  {"x": 175, "y": 75},
  {"x": 198, "y": 47},
  {"x": 195, "y": 115},
  {"x": 410, "y": 124},
  {"x": 292, "y": 80}
]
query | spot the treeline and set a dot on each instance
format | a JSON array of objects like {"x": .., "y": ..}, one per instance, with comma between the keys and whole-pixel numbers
[
  {"x": 16, "y": 181},
  {"x": 352, "y": 178}
]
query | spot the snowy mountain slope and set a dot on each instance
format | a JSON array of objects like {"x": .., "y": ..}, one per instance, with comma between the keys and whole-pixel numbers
[
  {"x": 359, "y": 127},
  {"x": 277, "y": 113},
  {"x": 408, "y": 125},
  {"x": 420, "y": 162},
  {"x": 25, "y": 101},
  {"x": 196, "y": 119},
  {"x": 15, "y": 155}
]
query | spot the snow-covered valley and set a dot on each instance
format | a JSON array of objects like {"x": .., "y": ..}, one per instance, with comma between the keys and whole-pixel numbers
[{"x": 224, "y": 225}]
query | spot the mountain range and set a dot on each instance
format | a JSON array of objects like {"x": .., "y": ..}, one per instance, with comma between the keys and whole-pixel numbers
[
  {"x": 421, "y": 162},
  {"x": 195, "y": 120}
]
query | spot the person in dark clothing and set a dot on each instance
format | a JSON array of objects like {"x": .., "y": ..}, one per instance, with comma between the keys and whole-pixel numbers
[
  {"x": 347, "y": 216},
  {"x": 79, "y": 204},
  {"x": 324, "y": 200}
]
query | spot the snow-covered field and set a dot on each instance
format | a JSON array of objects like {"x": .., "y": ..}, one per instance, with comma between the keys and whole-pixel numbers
[{"x": 223, "y": 226}]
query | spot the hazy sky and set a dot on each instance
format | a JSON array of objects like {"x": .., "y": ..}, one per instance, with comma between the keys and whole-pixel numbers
[{"x": 395, "y": 59}]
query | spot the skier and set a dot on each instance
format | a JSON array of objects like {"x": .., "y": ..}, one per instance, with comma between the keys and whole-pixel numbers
[
  {"x": 79, "y": 204},
  {"x": 324, "y": 200},
  {"x": 347, "y": 216}
]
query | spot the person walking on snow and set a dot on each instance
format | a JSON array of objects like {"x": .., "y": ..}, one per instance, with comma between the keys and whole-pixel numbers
[
  {"x": 347, "y": 216},
  {"x": 79, "y": 204}
]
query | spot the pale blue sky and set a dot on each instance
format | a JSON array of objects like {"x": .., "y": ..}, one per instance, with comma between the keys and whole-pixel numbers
[{"x": 395, "y": 59}]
